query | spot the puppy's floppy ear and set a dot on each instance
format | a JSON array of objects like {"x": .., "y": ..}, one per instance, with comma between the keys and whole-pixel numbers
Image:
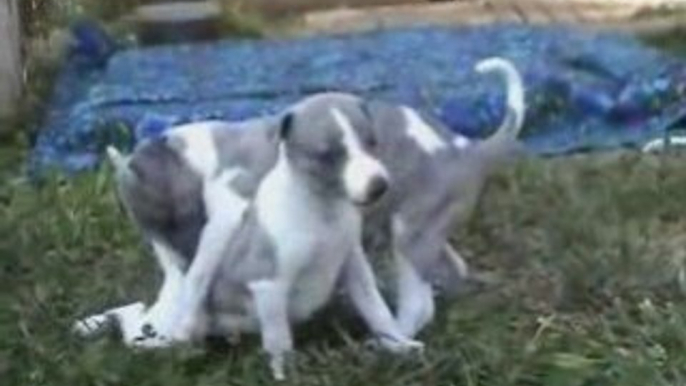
[
  {"x": 119, "y": 161},
  {"x": 154, "y": 157},
  {"x": 286, "y": 125}
]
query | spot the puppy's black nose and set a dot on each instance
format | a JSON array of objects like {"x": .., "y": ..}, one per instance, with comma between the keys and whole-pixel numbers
[{"x": 377, "y": 188}]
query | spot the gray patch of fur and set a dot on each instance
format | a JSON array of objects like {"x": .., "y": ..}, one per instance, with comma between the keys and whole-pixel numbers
[
  {"x": 316, "y": 147},
  {"x": 164, "y": 196},
  {"x": 251, "y": 256},
  {"x": 249, "y": 146},
  {"x": 432, "y": 191}
]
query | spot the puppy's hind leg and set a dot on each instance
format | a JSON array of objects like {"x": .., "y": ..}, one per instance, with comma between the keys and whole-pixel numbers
[
  {"x": 416, "y": 305},
  {"x": 136, "y": 324},
  {"x": 361, "y": 286},
  {"x": 449, "y": 274}
]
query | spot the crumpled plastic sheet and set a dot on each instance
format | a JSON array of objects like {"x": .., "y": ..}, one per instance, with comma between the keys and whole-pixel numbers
[{"x": 584, "y": 91}]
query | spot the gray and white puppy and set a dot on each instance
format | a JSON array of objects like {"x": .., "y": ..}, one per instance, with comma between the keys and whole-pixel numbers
[
  {"x": 163, "y": 186},
  {"x": 437, "y": 180},
  {"x": 261, "y": 264}
]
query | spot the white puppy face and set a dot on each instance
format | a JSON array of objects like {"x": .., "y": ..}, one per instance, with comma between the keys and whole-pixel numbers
[{"x": 365, "y": 179}]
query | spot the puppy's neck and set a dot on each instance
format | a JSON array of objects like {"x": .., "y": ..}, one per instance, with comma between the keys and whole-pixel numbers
[{"x": 297, "y": 187}]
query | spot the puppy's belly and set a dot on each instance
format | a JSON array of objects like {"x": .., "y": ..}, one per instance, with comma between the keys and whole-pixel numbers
[
  {"x": 230, "y": 324},
  {"x": 315, "y": 285},
  {"x": 238, "y": 314}
]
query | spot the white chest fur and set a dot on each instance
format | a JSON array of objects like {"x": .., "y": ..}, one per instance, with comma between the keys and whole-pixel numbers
[{"x": 311, "y": 242}]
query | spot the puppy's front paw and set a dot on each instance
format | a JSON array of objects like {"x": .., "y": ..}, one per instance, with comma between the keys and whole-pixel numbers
[
  {"x": 397, "y": 346},
  {"x": 406, "y": 346},
  {"x": 277, "y": 365}
]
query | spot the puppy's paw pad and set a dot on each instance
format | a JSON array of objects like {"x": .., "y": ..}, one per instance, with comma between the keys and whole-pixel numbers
[
  {"x": 146, "y": 342},
  {"x": 149, "y": 331},
  {"x": 149, "y": 338}
]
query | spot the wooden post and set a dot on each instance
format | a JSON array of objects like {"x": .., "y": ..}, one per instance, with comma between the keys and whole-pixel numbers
[{"x": 10, "y": 57}]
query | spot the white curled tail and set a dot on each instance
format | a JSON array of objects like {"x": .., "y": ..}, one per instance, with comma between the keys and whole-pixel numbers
[
  {"x": 514, "y": 118},
  {"x": 502, "y": 145}
]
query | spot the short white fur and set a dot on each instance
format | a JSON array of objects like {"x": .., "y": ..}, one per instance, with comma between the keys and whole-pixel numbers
[
  {"x": 199, "y": 149},
  {"x": 426, "y": 137},
  {"x": 361, "y": 168}
]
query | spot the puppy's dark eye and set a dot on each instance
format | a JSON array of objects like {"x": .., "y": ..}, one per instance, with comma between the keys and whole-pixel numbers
[
  {"x": 370, "y": 141},
  {"x": 330, "y": 156}
]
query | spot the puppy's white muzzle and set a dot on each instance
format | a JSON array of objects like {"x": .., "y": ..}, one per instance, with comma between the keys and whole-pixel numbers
[{"x": 365, "y": 179}]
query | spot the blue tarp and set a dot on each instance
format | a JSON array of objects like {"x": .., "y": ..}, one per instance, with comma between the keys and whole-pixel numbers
[{"x": 584, "y": 90}]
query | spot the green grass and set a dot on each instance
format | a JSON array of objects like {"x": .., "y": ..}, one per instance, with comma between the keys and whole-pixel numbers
[{"x": 587, "y": 256}]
